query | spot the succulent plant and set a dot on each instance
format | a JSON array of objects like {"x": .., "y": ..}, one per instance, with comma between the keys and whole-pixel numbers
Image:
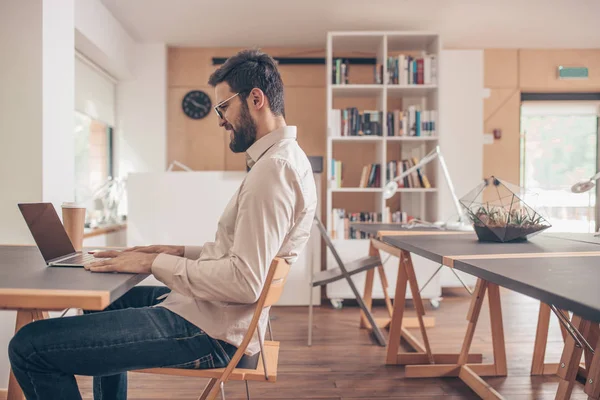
[{"x": 505, "y": 217}]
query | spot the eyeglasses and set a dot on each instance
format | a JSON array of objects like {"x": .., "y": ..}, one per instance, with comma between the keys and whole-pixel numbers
[{"x": 221, "y": 104}]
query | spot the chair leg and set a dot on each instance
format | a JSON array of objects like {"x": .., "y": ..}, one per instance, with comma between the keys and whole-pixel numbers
[
  {"x": 207, "y": 389},
  {"x": 310, "y": 316},
  {"x": 247, "y": 391},
  {"x": 222, "y": 390}
]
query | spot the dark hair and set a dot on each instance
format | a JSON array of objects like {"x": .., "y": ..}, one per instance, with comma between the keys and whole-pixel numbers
[{"x": 250, "y": 69}]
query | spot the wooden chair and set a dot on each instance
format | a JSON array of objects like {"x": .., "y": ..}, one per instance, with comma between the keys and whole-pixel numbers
[{"x": 265, "y": 362}]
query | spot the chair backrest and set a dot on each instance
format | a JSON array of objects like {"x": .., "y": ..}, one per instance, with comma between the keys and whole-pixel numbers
[
  {"x": 274, "y": 290},
  {"x": 270, "y": 294}
]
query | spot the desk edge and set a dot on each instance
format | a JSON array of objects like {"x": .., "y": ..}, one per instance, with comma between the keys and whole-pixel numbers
[{"x": 53, "y": 299}]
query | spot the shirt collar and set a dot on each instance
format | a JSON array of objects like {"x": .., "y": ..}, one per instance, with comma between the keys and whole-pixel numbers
[{"x": 258, "y": 148}]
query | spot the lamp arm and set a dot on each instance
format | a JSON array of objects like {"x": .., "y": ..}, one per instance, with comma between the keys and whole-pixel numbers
[
  {"x": 459, "y": 210},
  {"x": 595, "y": 177},
  {"x": 437, "y": 153},
  {"x": 429, "y": 157},
  {"x": 181, "y": 165}
]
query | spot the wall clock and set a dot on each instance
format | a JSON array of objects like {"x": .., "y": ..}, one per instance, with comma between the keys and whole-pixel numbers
[{"x": 196, "y": 104}]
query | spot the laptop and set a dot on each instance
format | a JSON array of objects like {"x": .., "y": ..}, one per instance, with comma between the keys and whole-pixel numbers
[{"x": 51, "y": 238}]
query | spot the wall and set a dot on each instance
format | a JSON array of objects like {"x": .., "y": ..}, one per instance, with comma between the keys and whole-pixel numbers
[
  {"x": 102, "y": 39},
  {"x": 141, "y": 110},
  {"x": 20, "y": 132},
  {"x": 58, "y": 52},
  {"x": 20, "y": 115},
  {"x": 508, "y": 73},
  {"x": 36, "y": 119},
  {"x": 461, "y": 122}
]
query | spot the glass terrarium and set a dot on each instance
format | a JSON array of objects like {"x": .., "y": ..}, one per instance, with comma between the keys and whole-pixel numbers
[{"x": 502, "y": 212}]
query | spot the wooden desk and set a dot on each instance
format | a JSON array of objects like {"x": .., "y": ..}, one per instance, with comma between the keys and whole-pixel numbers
[
  {"x": 32, "y": 289},
  {"x": 554, "y": 270},
  {"x": 406, "y": 275}
]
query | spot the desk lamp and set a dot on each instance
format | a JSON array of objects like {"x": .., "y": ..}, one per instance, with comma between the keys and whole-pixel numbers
[
  {"x": 584, "y": 186},
  {"x": 392, "y": 186}
]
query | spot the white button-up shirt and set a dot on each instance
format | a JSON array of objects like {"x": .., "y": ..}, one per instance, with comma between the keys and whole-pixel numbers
[{"x": 270, "y": 215}]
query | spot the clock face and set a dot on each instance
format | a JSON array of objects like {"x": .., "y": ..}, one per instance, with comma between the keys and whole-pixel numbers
[{"x": 196, "y": 104}]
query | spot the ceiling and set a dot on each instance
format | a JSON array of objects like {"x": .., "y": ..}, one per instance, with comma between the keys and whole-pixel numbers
[{"x": 304, "y": 23}]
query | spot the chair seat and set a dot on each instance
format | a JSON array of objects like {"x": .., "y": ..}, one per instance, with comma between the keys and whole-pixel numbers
[{"x": 238, "y": 374}]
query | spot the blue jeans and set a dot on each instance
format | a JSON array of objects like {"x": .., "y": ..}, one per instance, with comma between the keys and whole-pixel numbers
[{"x": 129, "y": 334}]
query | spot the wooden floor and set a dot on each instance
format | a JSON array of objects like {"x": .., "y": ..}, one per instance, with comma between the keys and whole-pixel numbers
[{"x": 344, "y": 363}]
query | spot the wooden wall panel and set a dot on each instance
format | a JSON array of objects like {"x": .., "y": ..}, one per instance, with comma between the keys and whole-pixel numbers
[
  {"x": 538, "y": 70},
  {"x": 305, "y": 108},
  {"x": 501, "y": 68},
  {"x": 190, "y": 66},
  {"x": 355, "y": 202},
  {"x": 502, "y": 158},
  {"x": 496, "y": 101},
  {"x": 199, "y": 144},
  {"x": 508, "y": 73}
]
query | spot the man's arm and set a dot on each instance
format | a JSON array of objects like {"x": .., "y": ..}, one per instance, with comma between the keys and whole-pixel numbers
[
  {"x": 265, "y": 216},
  {"x": 192, "y": 252}
]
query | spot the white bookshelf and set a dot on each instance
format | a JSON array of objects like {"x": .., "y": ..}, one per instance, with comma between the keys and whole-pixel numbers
[{"x": 418, "y": 202}]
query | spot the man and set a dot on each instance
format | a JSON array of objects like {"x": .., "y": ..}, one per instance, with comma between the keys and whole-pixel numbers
[{"x": 210, "y": 290}]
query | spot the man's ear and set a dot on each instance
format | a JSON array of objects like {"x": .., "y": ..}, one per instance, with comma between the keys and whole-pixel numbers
[{"x": 257, "y": 98}]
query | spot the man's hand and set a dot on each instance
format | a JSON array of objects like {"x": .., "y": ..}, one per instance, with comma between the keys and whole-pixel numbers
[
  {"x": 133, "y": 262},
  {"x": 172, "y": 250}
]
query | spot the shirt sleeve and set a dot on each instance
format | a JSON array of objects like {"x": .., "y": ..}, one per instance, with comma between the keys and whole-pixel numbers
[
  {"x": 192, "y": 252},
  {"x": 265, "y": 216}
]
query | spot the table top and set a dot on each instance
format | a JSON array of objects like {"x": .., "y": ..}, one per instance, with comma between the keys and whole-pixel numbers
[
  {"x": 26, "y": 282},
  {"x": 569, "y": 281},
  {"x": 578, "y": 237},
  {"x": 436, "y": 247}
]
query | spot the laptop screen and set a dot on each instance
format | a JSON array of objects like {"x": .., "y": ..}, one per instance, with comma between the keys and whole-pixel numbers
[{"x": 47, "y": 230}]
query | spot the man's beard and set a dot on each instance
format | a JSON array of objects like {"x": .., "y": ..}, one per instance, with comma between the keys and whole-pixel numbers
[{"x": 245, "y": 135}]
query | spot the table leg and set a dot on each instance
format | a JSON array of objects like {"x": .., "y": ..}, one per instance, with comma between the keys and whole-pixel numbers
[
  {"x": 592, "y": 384},
  {"x": 593, "y": 336},
  {"x": 538, "y": 366},
  {"x": 414, "y": 288},
  {"x": 384, "y": 286},
  {"x": 423, "y": 355},
  {"x": 385, "y": 322},
  {"x": 367, "y": 298},
  {"x": 23, "y": 318},
  {"x": 497, "y": 329},
  {"x": 396, "y": 324},
  {"x": 541, "y": 339},
  {"x": 471, "y": 374},
  {"x": 569, "y": 362}
]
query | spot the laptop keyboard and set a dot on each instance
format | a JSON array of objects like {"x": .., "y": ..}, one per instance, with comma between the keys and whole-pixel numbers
[{"x": 82, "y": 259}]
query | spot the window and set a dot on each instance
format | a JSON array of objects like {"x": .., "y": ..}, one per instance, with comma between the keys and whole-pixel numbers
[
  {"x": 93, "y": 156},
  {"x": 559, "y": 142},
  {"x": 95, "y": 93}
]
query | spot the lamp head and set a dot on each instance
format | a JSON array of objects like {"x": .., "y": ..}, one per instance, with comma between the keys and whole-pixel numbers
[
  {"x": 582, "y": 186},
  {"x": 390, "y": 189}
]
